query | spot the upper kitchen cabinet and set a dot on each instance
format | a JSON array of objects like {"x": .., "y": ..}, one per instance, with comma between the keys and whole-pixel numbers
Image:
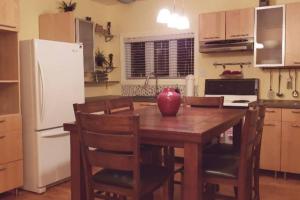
[
  {"x": 9, "y": 15},
  {"x": 240, "y": 23},
  {"x": 212, "y": 26},
  {"x": 292, "y": 56},
  {"x": 57, "y": 27},
  {"x": 269, "y": 36}
]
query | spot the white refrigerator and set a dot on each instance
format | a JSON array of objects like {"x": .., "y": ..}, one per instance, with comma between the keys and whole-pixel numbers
[{"x": 52, "y": 79}]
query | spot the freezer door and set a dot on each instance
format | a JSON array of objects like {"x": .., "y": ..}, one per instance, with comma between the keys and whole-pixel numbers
[
  {"x": 53, "y": 156},
  {"x": 59, "y": 82}
]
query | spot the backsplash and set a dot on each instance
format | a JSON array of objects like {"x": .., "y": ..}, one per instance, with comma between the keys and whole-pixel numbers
[{"x": 137, "y": 90}]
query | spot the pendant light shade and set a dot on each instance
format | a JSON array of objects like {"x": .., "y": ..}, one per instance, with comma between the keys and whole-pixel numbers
[
  {"x": 183, "y": 23},
  {"x": 163, "y": 16},
  {"x": 173, "y": 20}
]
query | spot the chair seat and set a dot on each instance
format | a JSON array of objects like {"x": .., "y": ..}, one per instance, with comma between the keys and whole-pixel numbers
[
  {"x": 151, "y": 176},
  {"x": 221, "y": 166},
  {"x": 221, "y": 149}
]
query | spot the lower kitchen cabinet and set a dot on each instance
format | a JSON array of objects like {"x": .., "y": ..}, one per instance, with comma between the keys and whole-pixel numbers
[
  {"x": 280, "y": 146},
  {"x": 11, "y": 175},
  {"x": 270, "y": 147},
  {"x": 290, "y": 147}
]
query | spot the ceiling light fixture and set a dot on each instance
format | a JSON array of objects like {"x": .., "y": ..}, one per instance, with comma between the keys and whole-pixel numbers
[
  {"x": 172, "y": 19},
  {"x": 163, "y": 16}
]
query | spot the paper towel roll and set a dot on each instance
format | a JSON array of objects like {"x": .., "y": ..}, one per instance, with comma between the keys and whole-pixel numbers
[{"x": 189, "y": 85}]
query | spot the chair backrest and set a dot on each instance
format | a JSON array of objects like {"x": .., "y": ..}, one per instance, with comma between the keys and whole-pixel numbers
[
  {"x": 247, "y": 148},
  {"x": 212, "y": 102},
  {"x": 92, "y": 107},
  {"x": 110, "y": 142},
  {"x": 120, "y": 104}
]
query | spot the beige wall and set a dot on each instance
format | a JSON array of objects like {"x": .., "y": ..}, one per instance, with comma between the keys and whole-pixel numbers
[
  {"x": 138, "y": 19},
  {"x": 31, "y": 9}
]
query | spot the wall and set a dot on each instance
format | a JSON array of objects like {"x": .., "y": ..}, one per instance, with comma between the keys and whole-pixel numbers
[
  {"x": 31, "y": 9},
  {"x": 138, "y": 19}
]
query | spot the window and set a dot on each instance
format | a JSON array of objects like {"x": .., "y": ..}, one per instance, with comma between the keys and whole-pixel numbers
[{"x": 165, "y": 56}]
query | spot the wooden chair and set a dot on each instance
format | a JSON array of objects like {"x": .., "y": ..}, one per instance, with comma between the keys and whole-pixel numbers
[
  {"x": 99, "y": 107},
  {"x": 257, "y": 148},
  {"x": 212, "y": 102},
  {"x": 120, "y": 104},
  {"x": 230, "y": 170},
  {"x": 204, "y": 102},
  {"x": 111, "y": 142}
]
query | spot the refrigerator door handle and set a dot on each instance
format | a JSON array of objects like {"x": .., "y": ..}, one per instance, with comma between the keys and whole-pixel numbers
[
  {"x": 55, "y": 135},
  {"x": 41, "y": 92}
]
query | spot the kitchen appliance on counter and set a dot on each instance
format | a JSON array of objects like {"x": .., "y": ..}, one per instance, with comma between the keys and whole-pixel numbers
[
  {"x": 52, "y": 79},
  {"x": 236, "y": 92}
]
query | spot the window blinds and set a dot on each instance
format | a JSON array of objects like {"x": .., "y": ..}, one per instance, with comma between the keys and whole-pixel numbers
[{"x": 165, "y": 56}]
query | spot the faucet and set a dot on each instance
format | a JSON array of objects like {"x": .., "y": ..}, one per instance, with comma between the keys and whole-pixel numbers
[{"x": 146, "y": 84}]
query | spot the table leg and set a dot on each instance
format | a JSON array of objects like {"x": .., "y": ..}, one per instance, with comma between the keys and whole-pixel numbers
[
  {"x": 77, "y": 176},
  {"x": 192, "y": 171}
]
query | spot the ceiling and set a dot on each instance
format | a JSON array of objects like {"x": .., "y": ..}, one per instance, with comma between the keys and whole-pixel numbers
[{"x": 111, "y": 2}]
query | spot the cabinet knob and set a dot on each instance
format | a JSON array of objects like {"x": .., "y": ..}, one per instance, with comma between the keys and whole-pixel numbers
[
  {"x": 296, "y": 126},
  {"x": 2, "y": 121},
  {"x": 2, "y": 136},
  {"x": 297, "y": 63},
  {"x": 295, "y": 112},
  {"x": 269, "y": 124},
  {"x": 270, "y": 111}
]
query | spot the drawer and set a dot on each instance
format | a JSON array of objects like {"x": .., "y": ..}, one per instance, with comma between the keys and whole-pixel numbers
[
  {"x": 291, "y": 115},
  {"x": 273, "y": 114},
  {"x": 11, "y": 176},
  {"x": 10, "y": 123},
  {"x": 10, "y": 146}
]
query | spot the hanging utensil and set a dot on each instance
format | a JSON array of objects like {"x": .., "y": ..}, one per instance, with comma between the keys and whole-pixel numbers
[
  {"x": 271, "y": 93},
  {"x": 295, "y": 93},
  {"x": 279, "y": 94},
  {"x": 289, "y": 84}
]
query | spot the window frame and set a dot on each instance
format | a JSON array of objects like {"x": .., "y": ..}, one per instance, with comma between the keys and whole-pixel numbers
[{"x": 153, "y": 39}]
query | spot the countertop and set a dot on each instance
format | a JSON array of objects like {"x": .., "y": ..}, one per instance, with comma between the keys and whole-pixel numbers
[
  {"x": 293, "y": 104},
  {"x": 135, "y": 98}
]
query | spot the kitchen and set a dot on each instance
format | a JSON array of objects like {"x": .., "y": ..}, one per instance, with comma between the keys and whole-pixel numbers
[{"x": 126, "y": 23}]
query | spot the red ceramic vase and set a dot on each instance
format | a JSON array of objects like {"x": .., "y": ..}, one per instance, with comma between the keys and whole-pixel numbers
[{"x": 168, "y": 102}]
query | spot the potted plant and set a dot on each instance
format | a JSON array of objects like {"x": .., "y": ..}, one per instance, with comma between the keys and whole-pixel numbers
[
  {"x": 100, "y": 59},
  {"x": 67, "y": 7}
]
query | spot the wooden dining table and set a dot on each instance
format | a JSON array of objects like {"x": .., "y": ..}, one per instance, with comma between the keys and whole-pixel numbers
[{"x": 190, "y": 129}]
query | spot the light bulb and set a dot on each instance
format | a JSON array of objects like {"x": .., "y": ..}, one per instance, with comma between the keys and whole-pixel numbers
[
  {"x": 163, "y": 16},
  {"x": 259, "y": 46},
  {"x": 173, "y": 20},
  {"x": 183, "y": 23}
]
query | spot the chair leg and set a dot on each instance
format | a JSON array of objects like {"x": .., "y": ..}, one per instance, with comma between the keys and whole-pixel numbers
[
  {"x": 256, "y": 185},
  {"x": 168, "y": 190}
]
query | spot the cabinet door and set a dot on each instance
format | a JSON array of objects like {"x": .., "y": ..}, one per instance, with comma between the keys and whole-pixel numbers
[
  {"x": 240, "y": 23},
  {"x": 290, "y": 147},
  {"x": 270, "y": 146},
  {"x": 57, "y": 27},
  {"x": 292, "y": 56},
  {"x": 269, "y": 36},
  {"x": 212, "y": 26},
  {"x": 9, "y": 15}
]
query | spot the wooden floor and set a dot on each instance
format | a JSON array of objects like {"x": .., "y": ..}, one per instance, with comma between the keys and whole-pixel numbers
[{"x": 271, "y": 189}]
